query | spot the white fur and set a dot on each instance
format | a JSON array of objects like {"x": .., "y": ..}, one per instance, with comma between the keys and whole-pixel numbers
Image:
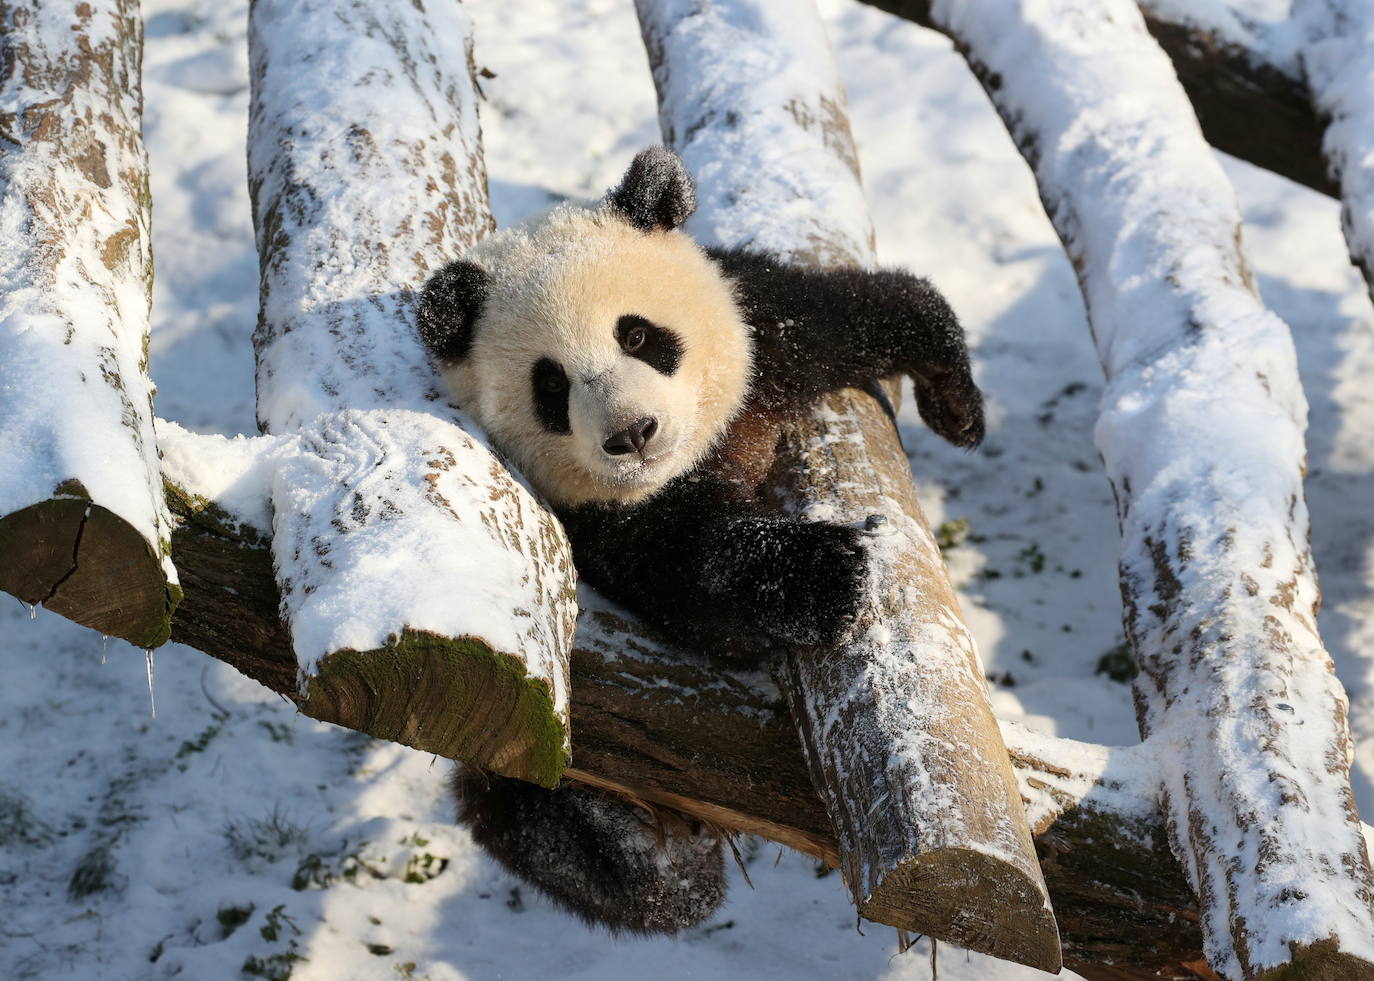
[{"x": 559, "y": 284}]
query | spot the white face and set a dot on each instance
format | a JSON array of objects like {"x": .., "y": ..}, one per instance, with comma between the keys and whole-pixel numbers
[{"x": 606, "y": 360}]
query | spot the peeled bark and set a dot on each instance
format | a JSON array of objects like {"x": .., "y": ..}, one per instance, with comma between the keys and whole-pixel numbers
[
  {"x": 896, "y": 725},
  {"x": 1202, "y": 435},
  {"x": 429, "y": 597},
  {"x": 83, "y": 526}
]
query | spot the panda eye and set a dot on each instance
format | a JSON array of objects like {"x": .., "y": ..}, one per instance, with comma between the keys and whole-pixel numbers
[
  {"x": 553, "y": 384},
  {"x": 634, "y": 340}
]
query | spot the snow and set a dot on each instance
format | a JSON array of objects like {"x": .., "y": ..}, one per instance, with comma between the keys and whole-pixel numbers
[{"x": 571, "y": 103}]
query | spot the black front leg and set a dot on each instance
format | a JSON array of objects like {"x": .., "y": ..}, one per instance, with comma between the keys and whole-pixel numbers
[
  {"x": 717, "y": 573},
  {"x": 819, "y": 330}
]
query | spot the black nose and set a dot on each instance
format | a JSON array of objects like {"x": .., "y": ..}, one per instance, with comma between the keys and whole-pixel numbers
[{"x": 632, "y": 439}]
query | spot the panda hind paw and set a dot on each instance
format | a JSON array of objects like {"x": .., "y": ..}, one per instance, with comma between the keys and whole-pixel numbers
[{"x": 594, "y": 854}]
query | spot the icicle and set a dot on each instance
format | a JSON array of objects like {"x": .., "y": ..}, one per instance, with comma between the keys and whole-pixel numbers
[
  {"x": 33, "y": 611},
  {"x": 104, "y": 648},
  {"x": 152, "y": 704}
]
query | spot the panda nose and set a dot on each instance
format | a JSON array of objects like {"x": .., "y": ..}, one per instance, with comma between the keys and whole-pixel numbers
[{"x": 632, "y": 439}]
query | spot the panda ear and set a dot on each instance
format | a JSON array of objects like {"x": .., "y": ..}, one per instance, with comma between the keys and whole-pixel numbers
[
  {"x": 449, "y": 306},
  {"x": 657, "y": 193}
]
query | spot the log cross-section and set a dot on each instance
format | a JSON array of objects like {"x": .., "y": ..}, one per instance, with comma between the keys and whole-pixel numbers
[
  {"x": 428, "y": 595},
  {"x": 83, "y": 526},
  {"x": 899, "y": 735},
  {"x": 1201, "y": 432}
]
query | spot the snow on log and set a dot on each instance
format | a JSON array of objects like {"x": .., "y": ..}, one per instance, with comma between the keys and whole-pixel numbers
[
  {"x": 681, "y": 730},
  {"x": 1202, "y": 435},
  {"x": 1245, "y": 84},
  {"x": 83, "y": 526},
  {"x": 429, "y": 596},
  {"x": 1339, "y": 60},
  {"x": 897, "y": 727}
]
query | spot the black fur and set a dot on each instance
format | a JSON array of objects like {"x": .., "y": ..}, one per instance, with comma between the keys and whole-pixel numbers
[
  {"x": 717, "y": 571},
  {"x": 657, "y": 193},
  {"x": 658, "y": 347},
  {"x": 594, "y": 855},
  {"x": 550, "y": 386},
  {"x": 449, "y": 305},
  {"x": 819, "y": 330}
]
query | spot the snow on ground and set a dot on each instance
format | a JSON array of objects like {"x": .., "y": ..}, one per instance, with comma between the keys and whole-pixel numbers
[{"x": 133, "y": 848}]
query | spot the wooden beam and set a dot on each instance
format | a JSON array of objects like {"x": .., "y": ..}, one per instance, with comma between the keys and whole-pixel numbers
[
  {"x": 1202, "y": 436},
  {"x": 428, "y": 595},
  {"x": 1248, "y": 105},
  {"x": 83, "y": 527}
]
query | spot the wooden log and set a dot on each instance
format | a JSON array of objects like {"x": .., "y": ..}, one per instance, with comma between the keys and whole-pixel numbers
[
  {"x": 83, "y": 526},
  {"x": 1202, "y": 435},
  {"x": 688, "y": 732},
  {"x": 429, "y": 597},
  {"x": 896, "y": 725},
  {"x": 1339, "y": 60},
  {"x": 1252, "y": 103}
]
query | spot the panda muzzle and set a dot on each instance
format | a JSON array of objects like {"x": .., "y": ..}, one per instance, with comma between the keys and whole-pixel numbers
[{"x": 632, "y": 439}]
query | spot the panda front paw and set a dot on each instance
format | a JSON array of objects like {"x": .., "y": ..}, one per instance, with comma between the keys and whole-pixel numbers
[
  {"x": 814, "y": 592},
  {"x": 951, "y": 404}
]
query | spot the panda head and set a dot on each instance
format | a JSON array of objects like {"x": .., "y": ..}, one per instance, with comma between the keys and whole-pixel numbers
[{"x": 600, "y": 348}]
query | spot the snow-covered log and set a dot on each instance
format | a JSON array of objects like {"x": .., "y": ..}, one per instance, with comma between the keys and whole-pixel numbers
[
  {"x": 429, "y": 596},
  {"x": 1339, "y": 60},
  {"x": 683, "y": 731},
  {"x": 896, "y": 725},
  {"x": 83, "y": 526},
  {"x": 1202, "y": 435},
  {"x": 1246, "y": 87}
]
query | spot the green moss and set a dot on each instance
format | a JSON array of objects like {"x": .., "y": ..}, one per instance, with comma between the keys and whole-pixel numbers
[{"x": 455, "y": 697}]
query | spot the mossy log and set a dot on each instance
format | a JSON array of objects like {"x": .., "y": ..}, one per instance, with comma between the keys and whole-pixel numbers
[
  {"x": 895, "y": 724},
  {"x": 1201, "y": 433},
  {"x": 428, "y": 596},
  {"x": 83, "y": 527}
]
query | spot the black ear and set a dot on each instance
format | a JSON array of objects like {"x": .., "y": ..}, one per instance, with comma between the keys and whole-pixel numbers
[
  {"x": 657, "y": 193},
  {"x": 449, "y": 305}
]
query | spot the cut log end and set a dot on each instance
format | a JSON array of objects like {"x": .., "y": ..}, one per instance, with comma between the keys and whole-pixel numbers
[
  {"x": 454, "y": 697},
  {"x": 1321, "y": 961},
  {"x": 88, "y": 564},
  {"x": 972, "y": 899}
]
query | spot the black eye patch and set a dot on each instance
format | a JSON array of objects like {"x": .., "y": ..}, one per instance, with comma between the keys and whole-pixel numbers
[
  {"x": 656, "y": 346},
  {"x": 550, "y": 386}
]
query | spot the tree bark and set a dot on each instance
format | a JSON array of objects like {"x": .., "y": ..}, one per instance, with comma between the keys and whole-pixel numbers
[
  {"x": 83, "y": 526},
  {"x": 1250, "y": 105},
  {"x": 428, "y": 596},
  {"x": 896, "y": 725},
  {"x": 1201, "y": 433},
  {"x": 694, "y": 734}
]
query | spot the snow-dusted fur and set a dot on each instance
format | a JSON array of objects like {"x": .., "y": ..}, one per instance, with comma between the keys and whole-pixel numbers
[
  {"x": 595, "y": 855},
  {"x": 636, "y": 379}
]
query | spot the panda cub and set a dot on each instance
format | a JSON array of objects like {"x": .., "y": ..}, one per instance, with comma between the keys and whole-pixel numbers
[{"x": 634, "y": 378}]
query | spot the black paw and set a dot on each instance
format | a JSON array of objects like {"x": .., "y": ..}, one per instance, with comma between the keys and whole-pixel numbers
[
  {"x": 813, "y": 591},
  {"x": 595, "y": 855},
  {"x": 951, "y": 404}
]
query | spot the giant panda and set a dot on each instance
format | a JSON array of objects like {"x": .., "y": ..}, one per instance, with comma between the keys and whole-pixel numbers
[{"x": 633, "y": 377}]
